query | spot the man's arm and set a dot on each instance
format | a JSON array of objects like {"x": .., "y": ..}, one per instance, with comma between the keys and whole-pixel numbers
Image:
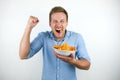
[
  {"x": 81, "y": 64},
  {"x": 25, "y": 41}
]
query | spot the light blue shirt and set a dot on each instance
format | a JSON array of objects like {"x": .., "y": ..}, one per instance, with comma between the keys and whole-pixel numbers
[{"x": 54, "y": 68}]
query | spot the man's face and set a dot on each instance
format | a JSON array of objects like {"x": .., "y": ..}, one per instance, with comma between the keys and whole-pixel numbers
[{"x": 58, "y": 24}]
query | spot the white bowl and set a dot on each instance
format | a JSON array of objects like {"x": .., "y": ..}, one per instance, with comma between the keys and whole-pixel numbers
[{"x": 64, "y": 52}]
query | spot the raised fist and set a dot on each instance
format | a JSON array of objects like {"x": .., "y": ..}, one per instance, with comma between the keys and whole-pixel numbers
[{"x": 32, "y": 22}]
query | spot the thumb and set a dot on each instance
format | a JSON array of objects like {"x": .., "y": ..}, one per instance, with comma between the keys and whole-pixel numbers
[{"x": 71, "y": 55}]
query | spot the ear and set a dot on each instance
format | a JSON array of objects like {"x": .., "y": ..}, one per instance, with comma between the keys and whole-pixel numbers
[
  {"x": 49, "y": 24},
  {"x": 67, "y": 24}
]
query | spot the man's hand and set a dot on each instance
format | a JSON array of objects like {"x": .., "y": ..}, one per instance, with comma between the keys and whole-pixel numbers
[
  {"x": 65, "y": 58},
  {"x": 32, "y": 22},
  {"x": 81, "y": 64}
]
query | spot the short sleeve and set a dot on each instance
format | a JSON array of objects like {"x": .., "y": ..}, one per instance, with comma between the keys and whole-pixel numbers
[
  {"x": 36, "y": 44},
  {"x": 81, "y": 52}
]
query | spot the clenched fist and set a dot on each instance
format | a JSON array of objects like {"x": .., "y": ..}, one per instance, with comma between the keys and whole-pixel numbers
[{"x": 32, "y": 22}]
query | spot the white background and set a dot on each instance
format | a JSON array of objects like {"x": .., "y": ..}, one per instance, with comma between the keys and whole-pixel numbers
[{"x": 97, "y": 20}]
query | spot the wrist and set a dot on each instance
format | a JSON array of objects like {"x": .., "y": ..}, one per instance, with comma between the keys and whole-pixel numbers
[
  {"x": 28, "y": 28},
  {"x": 73, "y": 61}
]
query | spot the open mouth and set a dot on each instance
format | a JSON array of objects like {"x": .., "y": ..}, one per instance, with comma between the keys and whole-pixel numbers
[{"x": 59, "y": 31}]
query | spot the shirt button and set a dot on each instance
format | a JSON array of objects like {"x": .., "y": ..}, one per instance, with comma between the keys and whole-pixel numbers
[
  {"x": 57, "y": 67},
  {"x": 57, "y": 59},
  {"x": 57, "y": 76}
]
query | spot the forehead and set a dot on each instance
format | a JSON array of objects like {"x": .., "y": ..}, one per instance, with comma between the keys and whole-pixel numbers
[{"x": 58, "y": 15}]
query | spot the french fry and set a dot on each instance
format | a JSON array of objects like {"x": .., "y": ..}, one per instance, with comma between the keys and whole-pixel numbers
[
  {"x": 65, "y": 46},
  {"x": 61, "y": 30},
  {"x": 57, "y": 47}
]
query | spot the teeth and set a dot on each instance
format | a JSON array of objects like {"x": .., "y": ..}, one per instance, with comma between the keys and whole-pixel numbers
[{"x": 57, "y": 29}]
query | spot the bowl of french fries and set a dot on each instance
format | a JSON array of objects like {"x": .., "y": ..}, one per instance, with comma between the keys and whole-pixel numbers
[{"x": 64, "y": 49}]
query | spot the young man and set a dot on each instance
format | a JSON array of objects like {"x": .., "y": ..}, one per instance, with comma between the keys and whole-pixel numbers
[{"x": 55, "y": 66}]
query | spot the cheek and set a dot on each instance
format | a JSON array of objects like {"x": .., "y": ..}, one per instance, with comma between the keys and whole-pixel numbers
[
  {"x": 65, "y": 25},
  {"x": 51, "y": 24},
  {"x": 52, "y": 27}
]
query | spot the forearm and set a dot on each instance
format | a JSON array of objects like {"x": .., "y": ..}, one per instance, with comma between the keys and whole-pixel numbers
[
  {"x": 25, "y": 41},
  {"x": 25, "y": 44},
  {"x": 81, "y": 64}
]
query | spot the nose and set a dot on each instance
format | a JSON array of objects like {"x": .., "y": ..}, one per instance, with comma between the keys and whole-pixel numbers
[{"x": 58, "y": 24}]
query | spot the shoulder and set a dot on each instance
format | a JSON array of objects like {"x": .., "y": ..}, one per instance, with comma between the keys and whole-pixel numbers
[
  {"x": 74, "y": 34},
  {"x": 44, "y": 34}
]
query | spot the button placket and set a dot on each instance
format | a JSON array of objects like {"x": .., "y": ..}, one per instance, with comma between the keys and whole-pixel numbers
[
  {"x": 58, "y": 69},
  {"x": 58, "y": 62}
]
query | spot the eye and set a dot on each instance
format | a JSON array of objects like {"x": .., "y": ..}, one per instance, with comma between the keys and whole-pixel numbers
[
  {"x": 54, "y": 21},
  {"x": 62, "y": 21}
]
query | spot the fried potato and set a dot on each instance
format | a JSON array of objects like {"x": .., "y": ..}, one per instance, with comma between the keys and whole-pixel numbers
[{"x": 65, "y": 46}]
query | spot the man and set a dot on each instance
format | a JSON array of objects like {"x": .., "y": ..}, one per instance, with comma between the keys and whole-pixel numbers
[{"x": 55, "y": 66}]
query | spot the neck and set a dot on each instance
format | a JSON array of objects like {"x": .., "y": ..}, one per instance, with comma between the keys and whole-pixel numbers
[{"x": 60, "y": 38}]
